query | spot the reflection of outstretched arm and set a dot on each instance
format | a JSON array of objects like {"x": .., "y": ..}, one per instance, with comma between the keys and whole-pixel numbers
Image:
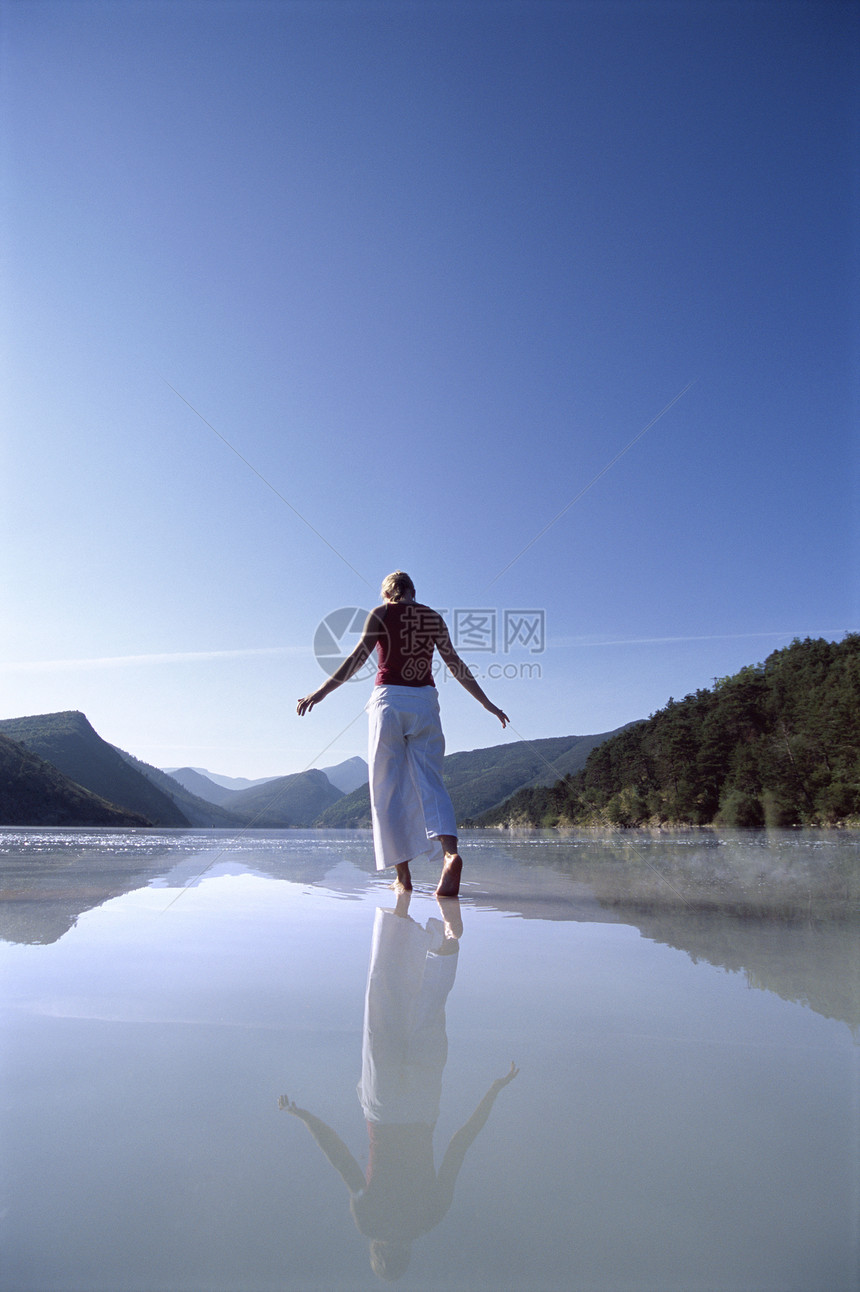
[
  {"x": 465, "y": 1136},
  {"x": 330, "y": 1143}
]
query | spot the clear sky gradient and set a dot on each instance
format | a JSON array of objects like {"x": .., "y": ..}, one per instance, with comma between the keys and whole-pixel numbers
[{"x": 428, "y": 268}]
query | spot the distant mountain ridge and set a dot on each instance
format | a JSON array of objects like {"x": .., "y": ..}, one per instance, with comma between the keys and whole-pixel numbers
[
  {"x": 199, "y": 784},
  {"x": 777, "y": 744},
  {"x": 126, "y": 791},
  {"x": 199, "y": 774},
  {"x": 198, "y": 811},
  {"x": 287, "y": 801},
  {"x": 223, "y": 790},
  {"x": 349, "y": 775},
  {"x": 480, "y": 779},
  {"x": 294, "y": 800}
]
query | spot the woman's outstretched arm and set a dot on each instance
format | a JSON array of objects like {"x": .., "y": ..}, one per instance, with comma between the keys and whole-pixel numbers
[
  {"x": 460, "y": 670},
  {"x": 349, "y": 667}
]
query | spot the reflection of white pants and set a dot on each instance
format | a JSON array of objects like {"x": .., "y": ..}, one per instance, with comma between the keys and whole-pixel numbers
[
  {"x": 405, "y": 1047},
  {"x": 409, "y": 804}
]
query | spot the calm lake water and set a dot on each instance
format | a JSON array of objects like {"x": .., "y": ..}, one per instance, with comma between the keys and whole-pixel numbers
[{"x": 619, "y": 1062}]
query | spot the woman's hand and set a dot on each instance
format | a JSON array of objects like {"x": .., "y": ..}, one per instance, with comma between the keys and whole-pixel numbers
[
  {"x": 500, "y": 714},
  {"x": 307, "y": 702}
]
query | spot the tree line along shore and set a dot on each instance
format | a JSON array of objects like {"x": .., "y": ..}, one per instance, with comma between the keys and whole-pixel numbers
[{"x": 775, "y": 745}]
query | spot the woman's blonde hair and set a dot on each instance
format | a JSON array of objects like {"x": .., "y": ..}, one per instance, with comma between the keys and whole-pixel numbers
[{"x": 398, "y": 585}]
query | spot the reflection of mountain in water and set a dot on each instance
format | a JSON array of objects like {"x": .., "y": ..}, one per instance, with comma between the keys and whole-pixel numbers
[
  {"x": 807, "y": 961},
  {"x": 54, "y": 877},
  {"x": 782, "y": 908},
  {"x": 49, "y": 878}
]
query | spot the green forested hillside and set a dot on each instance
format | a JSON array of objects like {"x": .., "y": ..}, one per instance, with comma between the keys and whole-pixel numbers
[
  {"x": 69, "y": 742},
  {"x": 196, "y": 810},
  {"x": 479, "y": 779},
  {"x": 776, "y": 744},
  {"x": 286, "y": 801},
  {"x": 35, "y": 793}
]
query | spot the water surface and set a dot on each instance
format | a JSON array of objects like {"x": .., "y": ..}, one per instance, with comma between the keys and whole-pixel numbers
[{"x": 232, "y": 1063}]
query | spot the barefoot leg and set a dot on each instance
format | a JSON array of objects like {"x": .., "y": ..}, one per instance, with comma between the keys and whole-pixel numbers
[
  {"x": 403, "y": 882},
  {"x": 449, "y": 884}
]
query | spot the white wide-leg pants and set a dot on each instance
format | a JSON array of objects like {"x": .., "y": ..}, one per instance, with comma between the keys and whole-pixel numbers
[{"x": 409, "y": 804}]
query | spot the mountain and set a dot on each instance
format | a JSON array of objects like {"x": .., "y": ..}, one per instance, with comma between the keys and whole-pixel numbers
[
  {"x": 35, "y": 793},
  {"x": 198, "y": 811},
  {"x": 221, "y": 782},
  {"x": 70, "y": 744},
  {"x": 344, "y": 776},
  {"x": 296, "y": 800},
  {"x": 777, "y": 744},
  {"x": 348, "y": 776},
  {"x": 68, "y": 741},
  {"x": 284, "y": 801},
  {"x": 199, "y": 784},
  {"x": 480, "y": 779}
]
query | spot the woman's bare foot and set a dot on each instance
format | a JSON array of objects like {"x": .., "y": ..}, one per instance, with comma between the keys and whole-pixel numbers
[
  {"x": 403, "y": 882},
  {"x": 449, "y": 884}
]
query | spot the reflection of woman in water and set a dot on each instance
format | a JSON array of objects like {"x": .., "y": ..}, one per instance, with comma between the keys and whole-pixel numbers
[
  {"x": 404, "y": 1049},
  {"x": 409, "y": 803}
]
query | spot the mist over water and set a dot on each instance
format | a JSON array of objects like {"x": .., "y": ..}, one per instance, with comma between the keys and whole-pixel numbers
[{"x": 240, "y": 1063}]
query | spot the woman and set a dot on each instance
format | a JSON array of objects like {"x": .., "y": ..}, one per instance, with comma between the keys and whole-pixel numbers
[{"x": 409, "y": 804}]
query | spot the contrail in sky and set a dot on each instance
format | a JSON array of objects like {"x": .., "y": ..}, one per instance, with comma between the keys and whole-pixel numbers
[
  {"x": 165, "y": 657},
  {"x": 205, "y": 656},
  {"x": 704, "y": 637},
  {"x": 599, "y": 476}
]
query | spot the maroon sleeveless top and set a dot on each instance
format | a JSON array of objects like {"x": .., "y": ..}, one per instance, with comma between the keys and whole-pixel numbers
[{"x": 405, "y": 646}]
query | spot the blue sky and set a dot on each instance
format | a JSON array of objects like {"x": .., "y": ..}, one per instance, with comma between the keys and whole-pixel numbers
[{"x": 427, "y": 268}]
